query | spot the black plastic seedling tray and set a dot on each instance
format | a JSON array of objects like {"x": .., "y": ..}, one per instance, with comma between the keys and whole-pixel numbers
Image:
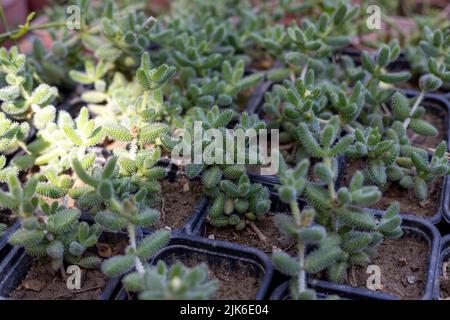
[{"x": 214, "y": 252}]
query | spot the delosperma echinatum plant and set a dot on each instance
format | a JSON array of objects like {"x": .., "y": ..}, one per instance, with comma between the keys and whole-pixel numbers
[{"x": 89, "y": 124}]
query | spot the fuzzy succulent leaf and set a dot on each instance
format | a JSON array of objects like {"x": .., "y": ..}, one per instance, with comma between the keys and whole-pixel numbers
[{"x": 150, "y": 245}]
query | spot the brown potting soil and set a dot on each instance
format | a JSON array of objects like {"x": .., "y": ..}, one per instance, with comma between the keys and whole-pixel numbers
[
  {"x": 179, "y": 199},
  {"x": 407, "y": 199},
  {"x": 43, "y": 283},
  {"x": 248, "y": 237},
  {"x": 437, "y": 120},
  {"x": 403, "y": 263},
  {"x": 236, "y": 282}
]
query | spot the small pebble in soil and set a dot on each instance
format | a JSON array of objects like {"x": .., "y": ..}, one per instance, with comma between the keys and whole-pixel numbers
[
  {"x": 411, "y": 279},
  {"x": 402, "y": 261}
]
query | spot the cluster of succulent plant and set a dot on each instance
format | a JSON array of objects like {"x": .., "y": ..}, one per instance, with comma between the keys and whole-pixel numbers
[
  {"x": 48, "y": 228},
  {"x": 431, "y": 55},
  {"x": 235, "y": 200},
  {"x": 335, "y": 224},
  {"x": 176, "y": 282},
  {"x": 21, "y": 95},
  {"x": 144, "y": 79}
]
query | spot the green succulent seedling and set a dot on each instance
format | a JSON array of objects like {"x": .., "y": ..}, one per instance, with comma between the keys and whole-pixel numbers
[
  {"x": 324, "y": 35},
  {"x": 411, "y": 115},
  {"x": 354, "y": 232},
  {"x": 119, "y": 213},
  {"x": 128, "y": 214},
  {"x": 234, "y": 199},
  {"x": 436, "y": 46},
  {"x": 82, "y": 132},
  {"x": 431, "y": 56},
  {"x": 376, "y": 68},
  {"x": 302, "y": 99},
  {"x": 196, "y": 52},
  {"x": 12, "y": 135},
  {"x": 380, "y": 154},
  {"x": 273, "y": 39},
  {"x": 347, "y": 107},
  {"x": 234, "y": 79},
  {"x": 117, "y": 102},
  {"x": 131, "y": 175},
  {"x": 48, "y": 229},
  {"x": 324, "y": 144},
  {"x": 176, "y": 282},
  {"x": 151, "y": 79},
  {"x": 419, "y": 169},
  {"x": 59, "y": 139},
  {"x": 127, "y": 35},
  {"x": 52, "y": 185},
  {"x": 308, "y": 44},
  {"x": 6, "y": 171},
  {"x": 20, "y": 94},
  {"x": 236, "y": 203},
  {"x": 131, "y": 108},
  {"x": 292, "y": 103},
  {"x": 93, "y": 74},
  {"x": 220, "y": 85},
  {"x": 299, "y": 226}
]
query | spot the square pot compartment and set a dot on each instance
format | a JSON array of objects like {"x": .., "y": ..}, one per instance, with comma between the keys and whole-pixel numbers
[
  {"x": 443, "y": 272},
  {"x": 16, "y": 265},
  {"x": 193, "y": 217},
  {"x": 232, "y": 258},
  {"x": 413, "y": 226}
]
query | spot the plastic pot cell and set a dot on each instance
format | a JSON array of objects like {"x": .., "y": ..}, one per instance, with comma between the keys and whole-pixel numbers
[
  {"x": 194, "y": 217},
  {"x": 232, "y": 264},
  {"x": 443, "y": 272},
  {"x": 412, "y": 226},
  {"x": 17, "y": 263}
]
